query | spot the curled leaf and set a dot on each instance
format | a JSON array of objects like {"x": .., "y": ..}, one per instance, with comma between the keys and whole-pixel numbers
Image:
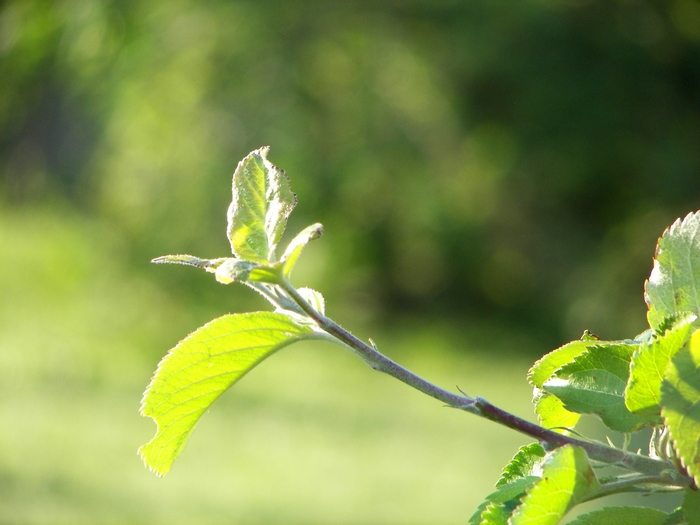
[{"x": 294, "y": 249}]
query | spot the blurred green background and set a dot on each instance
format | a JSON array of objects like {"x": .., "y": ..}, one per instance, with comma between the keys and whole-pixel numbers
[{"x": 492, "y": 177}]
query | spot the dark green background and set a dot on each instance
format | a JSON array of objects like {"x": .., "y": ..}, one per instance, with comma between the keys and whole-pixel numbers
[{"x": 492, "y": 177}]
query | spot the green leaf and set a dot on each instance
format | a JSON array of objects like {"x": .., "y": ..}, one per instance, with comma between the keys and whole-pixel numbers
[
  {"x": 567, "y": 478},
  {"x": 495, "y": 514},
  {"x": 677, "y": 517},
  {"x": 551, "y": 362},
  {"x": 549, "y": 409},
  {"x": 521, "y": 464},
  {"x": 594, "y": 383},
  {"x": 680, "y": 404},
  {"x": 189, "y": 260},
  {"x": 673, "y": 286},
  {"x": 294, "y": 249},
  {"x": 262, "y": 201},
  {"x": 507, "y": 495},
  {"x": 552, "y": 414},
  {"x": 649, "y": 362},
  {"x": 201, "y": 368},
  {"x": 691, "y": 506},
  {"x": 231, "y": 270},
  {"x": 622, "y": 516}
]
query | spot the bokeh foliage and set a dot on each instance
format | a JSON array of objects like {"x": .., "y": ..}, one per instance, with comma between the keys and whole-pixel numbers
[
  {"x": 481, "y": 158},
  {"x": 490, "y": 161}
]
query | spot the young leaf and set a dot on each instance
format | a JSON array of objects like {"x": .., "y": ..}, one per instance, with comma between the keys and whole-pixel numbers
[
  {"x": 673, "y": 286},
  {"x": 226, "y": 269},
  {"x": 522, "y": 463},
  {"x": 647, "y": 368},
  {"x": 594, "y": 383},
  {"x": 622, "y": 516},
  {"x": 680, "y": 404},
  {"x": 549, "y": 409},
  {"x": 294, "y": 249},
  {"x": 691, "y": 506},
  {"x": 495, "y": 514},
  {"x": 201, "y": 368},
  {"x": 189, "y": 260},
  {"x": 262, "y": 201},
  {"x": 507, "y": 496},
  {"x": 567, "y": 478}
]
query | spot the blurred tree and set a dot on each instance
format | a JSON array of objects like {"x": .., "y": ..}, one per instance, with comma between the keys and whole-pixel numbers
[{"x": 473, "y": 158}]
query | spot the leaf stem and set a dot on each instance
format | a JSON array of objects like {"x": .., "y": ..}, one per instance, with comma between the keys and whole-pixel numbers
[{"x": 652, "y": 468}]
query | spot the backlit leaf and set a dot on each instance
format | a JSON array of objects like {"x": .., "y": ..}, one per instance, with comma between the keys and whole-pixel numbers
[
  {"x": 294, "y": 249},
  {"x": 648, "y": 365},
  {"x": 680, "y": 404},
  {"x": 552, "y": 414},
  {"x": 673, "y": 288},
  {"x": 262, "y": 201},
  {"x": 506, "y": 496},
  {"x": 549, "y": 409},
  {"x": 567, "y": 478},
  {"x": 522, "y": 463},
  {"x": 594, "y": 383},
  {"x": 201, "y": 368}
]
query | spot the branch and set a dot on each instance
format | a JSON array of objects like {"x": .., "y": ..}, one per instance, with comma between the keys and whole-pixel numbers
[{"x": 658, "y": 469}]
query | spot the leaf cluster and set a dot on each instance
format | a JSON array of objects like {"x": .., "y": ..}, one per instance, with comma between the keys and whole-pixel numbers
[{"x": 649, "y": 381}]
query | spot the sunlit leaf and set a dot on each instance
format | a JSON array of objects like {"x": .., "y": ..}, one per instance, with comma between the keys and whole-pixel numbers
[
  {"x": 201, "y": 368},
  {"x": 262, "y": 201},
  {"x": 680, "y": 404},
  {"x": 294, "y": 249},
  {"x": 673, "y": 288},
  {"x": 549, "y": 409},
  {"x": 552, "y": 414},
  {"x": 232, "y": 269},
  {"x": 648, "y": 365},
  {"x": 495, "y": 514},
  {"x": 622, "y": 516},
  {"x": 567, "y": 478},
  {"x": 551, "y": 362},
  {"x": 507, "y": 496},
  {"x": 594, "y": 383},
  {"x": 522, "y": 463}
]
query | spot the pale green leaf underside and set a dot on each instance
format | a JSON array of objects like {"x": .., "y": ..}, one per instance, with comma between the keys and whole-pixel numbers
[
  {"x": 594, "y": 383},
  {"x": 201, "y": 368},
  {"x": 262, "y": 201},
  {"x": 673, "y": 286},
  {"x": 567, "y": 478},
  {"x": 647, "y": 368},
  {"x": 622, "y": 516},
  {"x": 522, "y": 463},
  {"x": 680, "y": 402}
]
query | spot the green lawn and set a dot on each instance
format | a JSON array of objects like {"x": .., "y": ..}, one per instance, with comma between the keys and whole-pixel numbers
[{"x": 311, "y": 436}]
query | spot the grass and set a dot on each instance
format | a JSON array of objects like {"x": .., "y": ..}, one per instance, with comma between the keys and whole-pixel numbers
[{"x": 311, "y": 436}]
